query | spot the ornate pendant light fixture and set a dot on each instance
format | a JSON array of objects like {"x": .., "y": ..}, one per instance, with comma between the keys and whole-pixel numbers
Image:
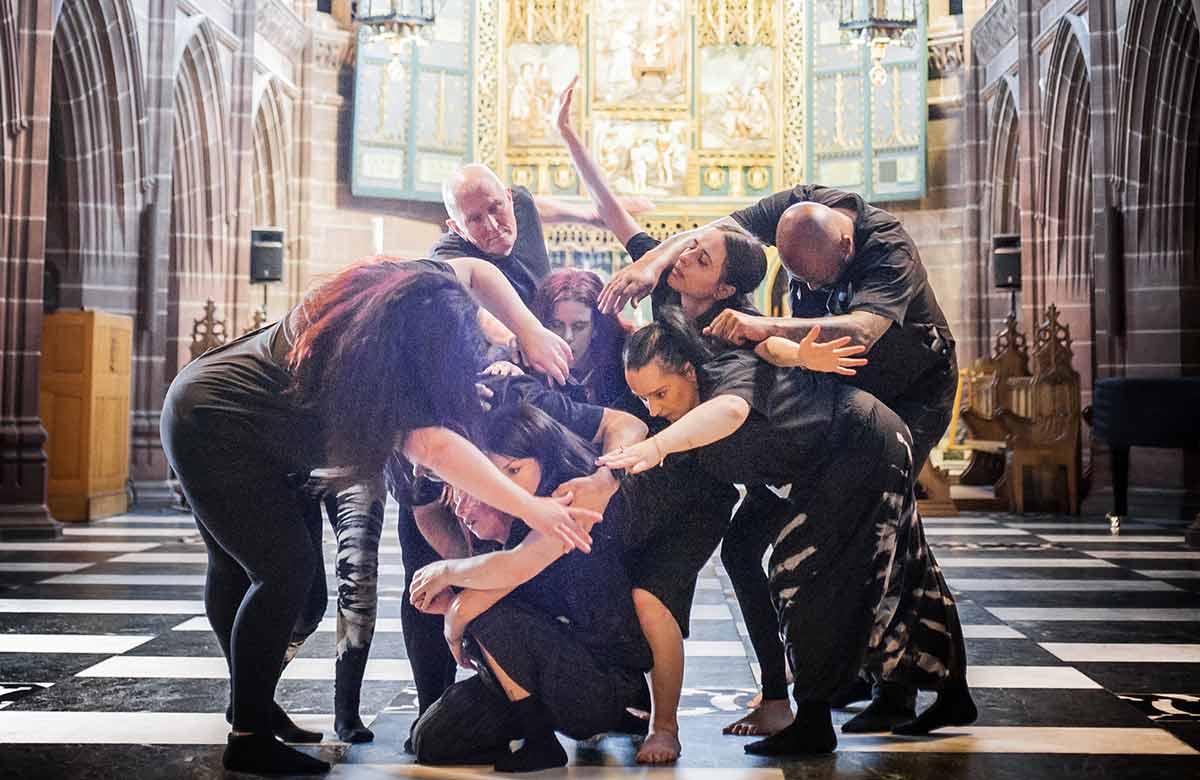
[
  {"x": 878, "y": 24},
  {"x": 396, "y": 21}
]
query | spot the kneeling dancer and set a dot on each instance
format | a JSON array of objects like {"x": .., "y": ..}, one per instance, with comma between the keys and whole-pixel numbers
[{"x": 563, "y": 651}]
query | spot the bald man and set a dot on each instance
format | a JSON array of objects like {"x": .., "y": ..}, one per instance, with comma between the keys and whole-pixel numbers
[
  {"x": 855, "y": 272},
  {"x": 503, "y": 225}
]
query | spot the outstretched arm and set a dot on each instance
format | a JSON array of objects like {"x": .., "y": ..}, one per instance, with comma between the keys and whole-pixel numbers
[
  {"x": 610, "y": 211},
  {"x": 862, "y": 328},
  {"x": 543, "y": 350},
  {"x": 835, "y": 357},
  {"x": 711, "y": 421},
  {"x": 458, "y": 462}
]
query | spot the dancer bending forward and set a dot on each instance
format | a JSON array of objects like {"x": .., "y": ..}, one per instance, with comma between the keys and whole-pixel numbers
[{"x": 850, "y": 569}]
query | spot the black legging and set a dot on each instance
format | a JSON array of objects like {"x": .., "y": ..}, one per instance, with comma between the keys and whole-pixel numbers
[
  {"x": 261, "y": 557},
  {"x": 752, "y": 531}
]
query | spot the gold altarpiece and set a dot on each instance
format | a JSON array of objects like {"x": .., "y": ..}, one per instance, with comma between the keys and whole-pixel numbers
[{"x": 697, "y": 105}]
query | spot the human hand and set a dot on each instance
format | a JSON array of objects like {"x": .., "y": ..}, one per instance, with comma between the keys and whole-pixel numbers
[
  {"x": 834, "y": 357},
  {"x": 563, "y": 121},
  {"x": 553, "y": 517},
  {"x": 486, "y": 395},
  {"x": 631, "y": 283},
  {"x": 634, "y": 458},
  {"x": 738, "y": 328},
  {"x": 456, "y": 641},
  {"x": 503, "y": 368},
  {"x": 591, "y": 492},
  {"x": 546, "y": 353},
  {"x": 440, "y": 603},
  {"x": 427, "y": 582}
]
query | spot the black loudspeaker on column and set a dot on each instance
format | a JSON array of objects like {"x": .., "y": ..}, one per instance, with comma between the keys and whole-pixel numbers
[
  {"x": 1006, "y": 261},
  {"x": 266, "y": 255}
]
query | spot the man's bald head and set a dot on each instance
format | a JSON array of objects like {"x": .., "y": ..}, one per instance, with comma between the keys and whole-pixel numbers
[
  {"x": 480, "y": 208},
  {"x": 814, "y": 243}
]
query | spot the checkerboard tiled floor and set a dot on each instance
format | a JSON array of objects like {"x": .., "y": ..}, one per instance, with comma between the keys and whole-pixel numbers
[{"x": 1084, "y": 651}]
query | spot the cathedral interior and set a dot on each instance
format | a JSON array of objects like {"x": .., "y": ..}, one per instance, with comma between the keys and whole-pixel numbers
[{"x": 178, "y": 173}]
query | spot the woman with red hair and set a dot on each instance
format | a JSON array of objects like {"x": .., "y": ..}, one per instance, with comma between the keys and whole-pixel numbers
[
  {"x": 381, "y": 357},
  {"x": 567, "y": 302}
]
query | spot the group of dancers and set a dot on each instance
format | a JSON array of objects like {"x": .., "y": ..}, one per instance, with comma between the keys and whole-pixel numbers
[{"x": 563, "y": 478}]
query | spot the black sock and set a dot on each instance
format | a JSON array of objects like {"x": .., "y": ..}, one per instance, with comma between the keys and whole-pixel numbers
[
  {"x": 263, "y": 754},
  {"x": 953, "y": 707},
  {"x": 810, "y": 733},
  {"x": 350, "y": 728},
  {"x": 894, "y": 703},
  {"x": 282, "y": 726},
  {"x": 541, "y": 749}
]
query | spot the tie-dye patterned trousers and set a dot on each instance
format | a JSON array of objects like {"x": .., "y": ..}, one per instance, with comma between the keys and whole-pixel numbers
[{"x": 854, "y": 581}]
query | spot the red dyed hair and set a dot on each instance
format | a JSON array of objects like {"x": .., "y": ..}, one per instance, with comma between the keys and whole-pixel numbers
[
  {"x": 384, "y": 347},
  {"x": 608, "y": 330}
]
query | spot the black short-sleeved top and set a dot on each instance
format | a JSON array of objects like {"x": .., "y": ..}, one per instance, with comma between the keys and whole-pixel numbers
[
  {"x": 528, "y": 262},
  {"x": 591, "y": 594},
  {"x": 662, "y": 295},
  {"x": 786, "y": 436},
  {"x": 885, "y": 277},
  {"x": 247, "y": 380}
]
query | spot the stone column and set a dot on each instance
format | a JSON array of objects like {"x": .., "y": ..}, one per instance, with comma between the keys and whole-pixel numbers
[{"x": 26, "y": 46}]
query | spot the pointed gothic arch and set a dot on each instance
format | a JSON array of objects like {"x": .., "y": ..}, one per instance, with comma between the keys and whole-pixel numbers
[
  {"x": 97, "y": 167},
  {"x": 201, "y": 250}
]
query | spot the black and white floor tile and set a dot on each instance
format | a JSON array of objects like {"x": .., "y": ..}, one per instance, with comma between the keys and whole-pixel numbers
[{"x": 1084, "y": 650}]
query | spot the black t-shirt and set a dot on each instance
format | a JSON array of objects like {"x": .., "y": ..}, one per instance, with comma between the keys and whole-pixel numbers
[
  {"x": 528, "y": 262},
  {"x": 248, "y": 378},
  {"x": 787, "y": 433},
  {"x": 885, "y": 277},
  {"x": 591, "y": 593},
  {"x": 662, "y": 295}
]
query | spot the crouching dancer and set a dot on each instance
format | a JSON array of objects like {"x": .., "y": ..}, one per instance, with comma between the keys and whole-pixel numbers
[{"x": 563, "y": 651}]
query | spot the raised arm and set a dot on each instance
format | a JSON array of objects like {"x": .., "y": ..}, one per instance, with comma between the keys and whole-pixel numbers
[
  {"x": 610, "y": 211},
  {"x": 711, "y": 421}
]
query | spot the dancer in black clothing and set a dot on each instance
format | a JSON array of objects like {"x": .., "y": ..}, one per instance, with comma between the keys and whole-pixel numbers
[
  {"x": 560, "y": 652},
  {"x": 426, "y": 524},
  {"x": 717, "y": 271},
  {"x": 850, "y": 571},
  {"x": 245, "y": 424},
  {"x": 854, "y": 273}
]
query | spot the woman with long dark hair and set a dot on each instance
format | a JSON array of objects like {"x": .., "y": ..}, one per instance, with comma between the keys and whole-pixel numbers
[
  {"x": 567, "y": 302},
  {"x": 850, "y": 571},
  {"x": 555, "y": 637},
  {"x": 381, "y": 356}
]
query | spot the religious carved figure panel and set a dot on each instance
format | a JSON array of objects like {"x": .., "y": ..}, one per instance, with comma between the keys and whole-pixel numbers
[
  {"x": 642, "y": 157},
  {"x": 640, "y": 54},
  {"x": 737, "y": 90}
]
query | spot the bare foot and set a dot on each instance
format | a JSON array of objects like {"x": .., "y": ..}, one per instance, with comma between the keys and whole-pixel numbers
[
  {"x": 661, "y": 747},
  {"x": 771, "y": 717}
]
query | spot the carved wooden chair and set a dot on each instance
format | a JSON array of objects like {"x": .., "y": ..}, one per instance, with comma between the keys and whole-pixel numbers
[
  {"x": 985, "y": 390},
  {"x": 1042, "y": 420}
]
